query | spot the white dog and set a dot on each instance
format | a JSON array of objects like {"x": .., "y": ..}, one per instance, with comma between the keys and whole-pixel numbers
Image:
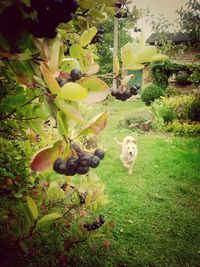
[{"x": 128, "y": 153}]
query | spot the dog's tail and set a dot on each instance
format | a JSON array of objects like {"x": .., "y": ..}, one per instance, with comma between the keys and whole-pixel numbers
[{"x": 117, "y": 141}]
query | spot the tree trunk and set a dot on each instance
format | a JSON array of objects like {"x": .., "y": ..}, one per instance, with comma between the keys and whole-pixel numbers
[{"x": 115, "y": 48}]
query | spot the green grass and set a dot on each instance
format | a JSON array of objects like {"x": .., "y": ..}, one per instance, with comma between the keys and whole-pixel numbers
[{"x": 157, "y": 208}]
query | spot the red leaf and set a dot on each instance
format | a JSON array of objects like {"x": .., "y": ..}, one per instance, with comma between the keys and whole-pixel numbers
[{"x": 45, "y": 157}]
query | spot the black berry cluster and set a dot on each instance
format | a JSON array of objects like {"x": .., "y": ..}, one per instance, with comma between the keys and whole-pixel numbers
[
  {"x": 98, "y": 37},
  {"x": 78, "y": 164},
  {"x": 137, "y": 29},
  {"x": 75, "y": 75},
  {"x": 95, "y": 225},
  {"x": 124, "y": 95},
  {"x": 16, "y": 18},
  {"x": 50, "y": 13}
]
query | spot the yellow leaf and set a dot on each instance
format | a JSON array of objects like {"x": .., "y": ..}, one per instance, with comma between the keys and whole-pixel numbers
[
  {"x": 159, "y": 57},
  {"x": 72, "y": 91},
  {"x": 144, "y": 54},
  {"x": 95, "y": 125},
  {"x": 127, "y": 55},
  {"x": 135, "y": 67},
  {"x": 87, "y": 36},
  {"x": 97, "y": 89},
  {"x": 70, "y": 111},
  {"x": 125, "y": 81},
  {"x": 50, "y": 81},
  {"x": 32, "y": 206},
  {"x": 54, "y": 56},
  {"x": 92, "y": 69}
]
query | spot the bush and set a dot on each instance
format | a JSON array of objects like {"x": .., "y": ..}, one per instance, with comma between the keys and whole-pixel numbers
[
  {"x": 171, "y": 91},
  {"x": 150, "y": 93},
  {"x": 194, "y": 110},
  {"x": 160, "y": 72},
  {"x": 182, "y": 78},
  {"x": 178, "y": 114},
  {"x": 183, "y": 128}
]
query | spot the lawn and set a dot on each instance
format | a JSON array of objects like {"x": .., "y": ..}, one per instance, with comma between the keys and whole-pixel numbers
[{"x": 157, "y": 208}]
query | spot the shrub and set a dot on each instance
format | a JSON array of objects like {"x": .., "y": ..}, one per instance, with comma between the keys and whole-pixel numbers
[
  {"x": 170, "y": 91},
  {"x": 184, "y": 128},
  {"x": 194, "y": 110},
  {"x": 178, "y": 114},
  {"x": 160, "y": 72},
  {"x": 150, "y": 93},
  {"x": 182, "y": 78}
]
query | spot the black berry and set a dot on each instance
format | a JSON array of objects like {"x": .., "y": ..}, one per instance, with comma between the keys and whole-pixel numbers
[
  {"x": 75, "y": 74},
  {"x": 99, "y": 153},
  {"x": 94, "y": 161},
  {"x": 82, "y": 169},
  {"x": 84, "y": 160}
]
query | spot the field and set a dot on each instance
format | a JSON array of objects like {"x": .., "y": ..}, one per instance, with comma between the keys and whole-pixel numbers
[{"x": 157, "y": 208}]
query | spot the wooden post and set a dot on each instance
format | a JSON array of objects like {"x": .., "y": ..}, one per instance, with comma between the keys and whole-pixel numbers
[{"x": 115, "y": 48}]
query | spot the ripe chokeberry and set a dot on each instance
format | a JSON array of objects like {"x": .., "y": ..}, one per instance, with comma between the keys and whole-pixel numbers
[
  {"x": 94, "y": 161},
  {"x": 99, "y": 153},
  {"x": 75, "y": 74}
]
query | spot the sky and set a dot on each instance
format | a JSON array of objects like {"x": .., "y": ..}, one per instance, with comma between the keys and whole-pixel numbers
[{"x": 165, "y": 7}]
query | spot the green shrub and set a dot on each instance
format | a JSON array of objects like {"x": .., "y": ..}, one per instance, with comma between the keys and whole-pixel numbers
[
  {"x": 160, "y": 72},
  {"x": 183, "y": 128},
  {"x": 150, "y": 93},
  {"x": 194, "y": 110},
  {"x": 171, "y": 91},
  {"x": 182, "y": 78}
]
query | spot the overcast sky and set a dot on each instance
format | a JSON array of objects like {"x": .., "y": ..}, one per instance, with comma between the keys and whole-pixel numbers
[{"x": 165, "y": 7}]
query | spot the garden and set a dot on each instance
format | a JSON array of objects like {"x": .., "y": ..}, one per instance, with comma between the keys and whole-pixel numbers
[{"x": 69, "y": 90}]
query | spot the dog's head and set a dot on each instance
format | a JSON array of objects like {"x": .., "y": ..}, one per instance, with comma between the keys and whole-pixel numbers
[
  {"x": 130, "y": 149},
  {"x": 129, "y": 140}
]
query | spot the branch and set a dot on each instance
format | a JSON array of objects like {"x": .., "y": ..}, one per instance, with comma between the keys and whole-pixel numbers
[{"x": 12, "y": 112}]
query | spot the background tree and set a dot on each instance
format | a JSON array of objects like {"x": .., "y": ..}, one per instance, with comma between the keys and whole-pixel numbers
[{"x": 189, "y": 17}]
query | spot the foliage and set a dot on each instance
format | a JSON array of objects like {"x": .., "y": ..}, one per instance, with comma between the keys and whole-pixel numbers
[
  {"x": 171, "y": 91},
  {"x": 46, "y": 73},
  {"x": 161, "y": 26},
  {"x": 182, "y": 78},
  {"x": 194, "y": 109},
  {"x": 161, "y": 70},
  {"x": 189, "y": 17},
  {"x": 150, "y": 93},
  {"x": 178, "y": 114},
  {"x": 183, "y": 128}
]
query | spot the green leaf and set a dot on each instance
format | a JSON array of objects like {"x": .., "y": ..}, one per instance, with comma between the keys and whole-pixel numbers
[
  {"x": 48, "y": 219},
  {"x": 32, "y": 206},
  {"x": 87, "y": 36},
  {"x": 97, "y": 15},
  {"x": 50, "y": 81},
  {"x": 70, "y": 111},
  {"x": 97, "y": 89},
  {"x": 96, "y": 125},
  {"x": 45, "y": 157},
  {"x": 62, "y": 123},
  {"x": 67, "y": 64},
  {"x": 76, "y": 51},
  {"x": 72, "y": 91}
]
